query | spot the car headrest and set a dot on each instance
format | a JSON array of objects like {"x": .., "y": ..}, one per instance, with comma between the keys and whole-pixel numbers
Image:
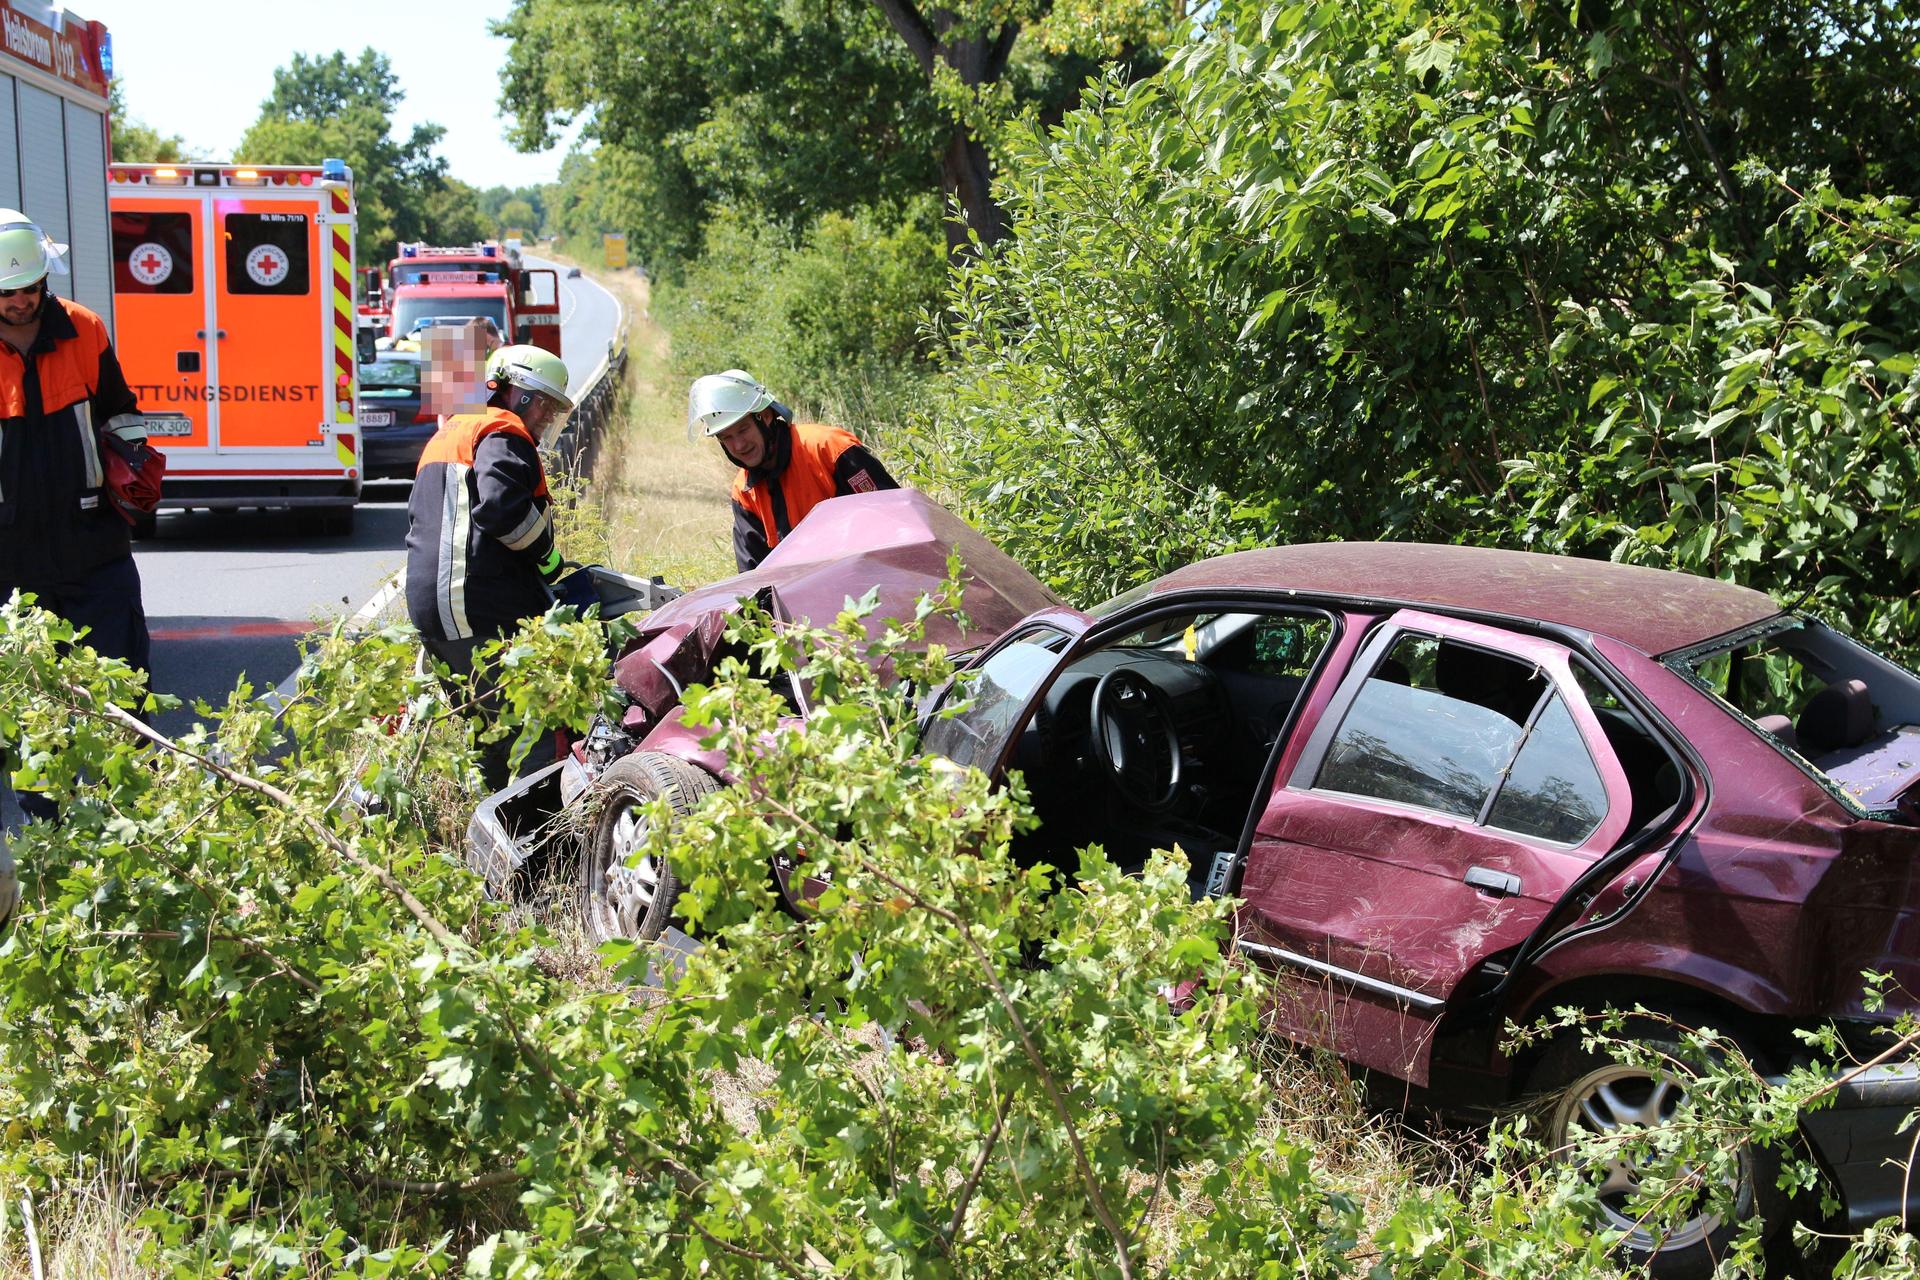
[
  {"x": 1486, "y": 679},
  {"x": 1840, "y": 715},
  {"x": 1780, "y": 727}
]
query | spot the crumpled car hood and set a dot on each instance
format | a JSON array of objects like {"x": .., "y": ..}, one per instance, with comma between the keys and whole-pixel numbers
[{"x": 896, "y": 541}]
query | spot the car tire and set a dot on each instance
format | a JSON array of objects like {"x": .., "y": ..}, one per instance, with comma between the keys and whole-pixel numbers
[
  {"x": 634, "y": 902},
  {"x": 1570, "y": 1080}
]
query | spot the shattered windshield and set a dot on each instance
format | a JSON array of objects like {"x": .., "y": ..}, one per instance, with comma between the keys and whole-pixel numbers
[{"x": 981, "y": 709}]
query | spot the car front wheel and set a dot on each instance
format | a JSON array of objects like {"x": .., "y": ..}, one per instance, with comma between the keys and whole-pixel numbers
[
  {"x": 1584, "y": 1092},
  {"x": 621, "y": 895}
]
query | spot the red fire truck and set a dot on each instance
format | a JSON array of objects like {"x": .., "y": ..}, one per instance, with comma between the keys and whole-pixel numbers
[{"x": 434, "y": 284}]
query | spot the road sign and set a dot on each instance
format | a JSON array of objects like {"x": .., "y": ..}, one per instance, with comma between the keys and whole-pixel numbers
[{"x": 614, "y": 245}]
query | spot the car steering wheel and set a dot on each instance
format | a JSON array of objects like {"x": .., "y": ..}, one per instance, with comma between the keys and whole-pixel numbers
[{"x": 1128, "y": 714}]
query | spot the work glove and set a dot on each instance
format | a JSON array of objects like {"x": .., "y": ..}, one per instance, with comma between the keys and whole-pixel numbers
[{"x": 577, "y": 589}]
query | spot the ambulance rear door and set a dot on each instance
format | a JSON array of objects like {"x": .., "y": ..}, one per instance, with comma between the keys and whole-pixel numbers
[
  {"x": 160, "y": 286},
  {"x": 537, "y": 309},
  {"x": 272, "y": 334}
]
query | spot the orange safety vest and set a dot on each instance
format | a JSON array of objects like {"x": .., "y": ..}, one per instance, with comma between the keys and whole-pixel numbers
[
  {"x": 458, "y": 439},
  {"x": 67, "y": 373},
  {"x": 806, "y": 482}
]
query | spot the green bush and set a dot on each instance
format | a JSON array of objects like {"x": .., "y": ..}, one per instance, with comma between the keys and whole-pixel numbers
[
  {"x": 831, "y": 321},
  {"x": 295, "y": 1034}
]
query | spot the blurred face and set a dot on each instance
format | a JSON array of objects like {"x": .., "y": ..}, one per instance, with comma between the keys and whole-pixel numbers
[
  {"x": 22, "y": 304},
  {"x": 745, "y": 442},
  {"x": 452, "y": 375}
]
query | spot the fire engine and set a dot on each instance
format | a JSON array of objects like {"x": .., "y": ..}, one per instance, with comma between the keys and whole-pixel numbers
[
  {"x": 55, "y": 69},
  {"x": 234, "y": 291},
  {"x": 435, "y": 284}
]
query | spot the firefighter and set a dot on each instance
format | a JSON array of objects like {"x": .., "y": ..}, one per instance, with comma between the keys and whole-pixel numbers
[
  {"x": 63, "y": 404},
  {"x": 786, "y": 468},
  {"x": 480, "y": 549}
]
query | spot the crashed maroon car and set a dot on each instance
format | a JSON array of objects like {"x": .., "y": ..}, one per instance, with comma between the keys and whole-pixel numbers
[{"x": 1451, "y": 787}]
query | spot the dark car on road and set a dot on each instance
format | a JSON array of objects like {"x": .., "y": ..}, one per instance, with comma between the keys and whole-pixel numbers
[
  {"x": 1451, "y": 787},
  {"x": 392, "y": 423}
]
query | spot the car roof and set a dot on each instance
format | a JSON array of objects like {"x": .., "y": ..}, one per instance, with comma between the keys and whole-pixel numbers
[{"x": 1653, "y": 610}]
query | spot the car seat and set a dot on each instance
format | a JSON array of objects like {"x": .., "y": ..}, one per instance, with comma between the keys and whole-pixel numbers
[{"x": 1837, "y": 717}]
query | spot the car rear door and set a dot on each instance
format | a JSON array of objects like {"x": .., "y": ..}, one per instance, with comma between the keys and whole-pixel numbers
[
  {"x": 273, "y": 333},
  {"x": 1456, "y": 784}
]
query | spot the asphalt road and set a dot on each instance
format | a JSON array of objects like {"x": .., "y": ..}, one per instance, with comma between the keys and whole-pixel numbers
[{"x": 228, "y": 595}]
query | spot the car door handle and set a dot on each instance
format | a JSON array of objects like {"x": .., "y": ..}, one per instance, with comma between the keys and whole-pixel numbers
[
  {"x": 1499, "y": 884},
  {"x": 201, "y": 333}
]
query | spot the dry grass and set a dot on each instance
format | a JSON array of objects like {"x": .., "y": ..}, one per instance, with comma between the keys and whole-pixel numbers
[
  {"x": 664, "y": 497},
  {"x": 86, "y": 1233}
]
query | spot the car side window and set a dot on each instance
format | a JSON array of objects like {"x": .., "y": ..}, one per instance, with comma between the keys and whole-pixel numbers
[
  {"x": 1435, "y": 725},
  {"x": 1553, "y": 791}
]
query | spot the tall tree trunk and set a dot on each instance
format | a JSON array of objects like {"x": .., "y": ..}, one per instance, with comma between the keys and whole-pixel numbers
[
  {"x": 966, "y": 171},
  {"x": 966, "y": 176}
]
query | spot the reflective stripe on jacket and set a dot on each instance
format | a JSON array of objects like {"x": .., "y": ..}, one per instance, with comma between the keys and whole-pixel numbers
[
  {"x": 479, "y": 529},
  {"x": 809, "y": 463},
  {"x": 54, "y": 524}
]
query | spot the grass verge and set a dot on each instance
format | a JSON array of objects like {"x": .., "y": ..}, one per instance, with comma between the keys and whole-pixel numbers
[{"x": 663, "y": 497}]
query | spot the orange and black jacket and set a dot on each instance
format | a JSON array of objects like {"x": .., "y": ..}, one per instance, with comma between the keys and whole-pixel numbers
[
  {"x": 479, "y": 529},
  {"x": 806, "y": 464},
  {"x": 56, "y": 523}
]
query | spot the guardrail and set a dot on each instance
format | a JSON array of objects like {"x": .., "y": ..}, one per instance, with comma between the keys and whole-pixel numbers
[{"x": 578, "y": 445}]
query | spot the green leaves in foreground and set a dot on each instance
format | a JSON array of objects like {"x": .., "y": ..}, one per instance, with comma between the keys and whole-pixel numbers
[{"x": 302, "y": 1044}]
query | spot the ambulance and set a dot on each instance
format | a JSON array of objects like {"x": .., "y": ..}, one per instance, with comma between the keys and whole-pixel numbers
[{"x": 233, "y": 292}]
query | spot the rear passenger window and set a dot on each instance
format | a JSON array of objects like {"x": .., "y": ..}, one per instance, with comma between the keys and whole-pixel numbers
[
  {"x": 152, "y": 252},
  {"x": 1435, "y": 725},
  {"x": 1553, "y": 790},
  {"x": 267, "y": 253},
  {"x": 1464, "y": 732}
]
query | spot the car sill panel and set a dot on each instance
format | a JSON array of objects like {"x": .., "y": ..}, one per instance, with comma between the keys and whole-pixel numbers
[{"x": 1415, "y": 1000}]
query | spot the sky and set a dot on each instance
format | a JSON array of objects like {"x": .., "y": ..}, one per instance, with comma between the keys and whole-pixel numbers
[{"x": 202, "y": 70}]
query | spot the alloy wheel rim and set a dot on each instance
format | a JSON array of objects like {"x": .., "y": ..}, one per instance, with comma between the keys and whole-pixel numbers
[
  {"x": 623, "y": 892},
  {"x": 1613, "y": 1098}
]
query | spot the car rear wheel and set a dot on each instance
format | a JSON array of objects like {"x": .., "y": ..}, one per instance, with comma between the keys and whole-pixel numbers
[
  {"x": 1589, "y": 1090},
  {"x": 622, "y": 896}
]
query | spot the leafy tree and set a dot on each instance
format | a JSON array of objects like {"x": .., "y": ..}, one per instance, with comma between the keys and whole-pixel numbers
[
  {"x": 518, "y": 214},
  {"x": 1535, "y": 275},
  {"x": 798, "y": 110},
  {"x": 790, "y": 109},
  {"x": 312, "y": 1045},
  {"x": 494, "y": 201},
  {"x": 330, "y": 106},
  {"x": 646, "y": 194},
  {"x": 136, "y": 142}
]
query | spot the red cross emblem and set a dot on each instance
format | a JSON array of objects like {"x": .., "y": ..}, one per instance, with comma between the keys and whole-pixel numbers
[
  {"x": 267, "y": 266},
  {"x": 150, "y": 264}
]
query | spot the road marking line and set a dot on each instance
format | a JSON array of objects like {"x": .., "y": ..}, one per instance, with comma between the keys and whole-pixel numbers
[
  {"x": 282, "y": 694},
  {"x": 235, "y": 631}
]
